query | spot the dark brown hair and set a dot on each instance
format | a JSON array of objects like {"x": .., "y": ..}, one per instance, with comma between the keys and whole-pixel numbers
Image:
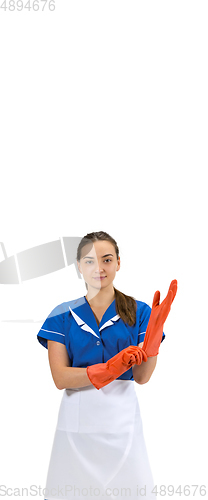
[{"x": 126, "y": 306}]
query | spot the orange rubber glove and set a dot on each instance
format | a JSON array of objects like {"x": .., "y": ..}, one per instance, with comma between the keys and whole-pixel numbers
[
  {"x": 102, "y": 374},
  {"x": 157, "y": 319}
]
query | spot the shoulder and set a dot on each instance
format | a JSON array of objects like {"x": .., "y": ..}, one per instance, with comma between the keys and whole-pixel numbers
[
  {"x": 142, "y": 313},
  {"x": 56, "y": 325},
  {"x": 142, "y": 307},
  {"x": 66, "y": 307}
]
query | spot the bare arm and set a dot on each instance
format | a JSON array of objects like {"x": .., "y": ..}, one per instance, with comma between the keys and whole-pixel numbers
[
  {"x": 65, "y": 376},
  {"x": 142, "y": 373}
]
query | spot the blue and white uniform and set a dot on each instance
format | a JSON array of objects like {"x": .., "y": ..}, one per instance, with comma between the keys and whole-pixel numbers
[{"x": 98, "y": 443}]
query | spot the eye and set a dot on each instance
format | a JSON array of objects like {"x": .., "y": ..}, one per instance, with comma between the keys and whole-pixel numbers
[
  {"x": 108, "y": 260},
  {"x": 88, "y": 261}
]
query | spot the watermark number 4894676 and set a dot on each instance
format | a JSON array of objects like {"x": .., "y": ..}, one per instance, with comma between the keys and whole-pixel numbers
[{"x": 28, "y": 5}]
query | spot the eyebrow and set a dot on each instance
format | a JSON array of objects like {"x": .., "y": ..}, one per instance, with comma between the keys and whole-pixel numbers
[{"x": 107, "y": 254}]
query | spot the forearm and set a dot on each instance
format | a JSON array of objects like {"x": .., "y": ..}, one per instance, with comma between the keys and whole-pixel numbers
[
  {"x": 142, "y": 373},
  {"x": 74, "y": 377},
  {"x": 71, "y": 378},
  {"x": 66, "y": 377}
]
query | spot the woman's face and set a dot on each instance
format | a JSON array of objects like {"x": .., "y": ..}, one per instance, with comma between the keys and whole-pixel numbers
[{"x": 99, "y": 264}]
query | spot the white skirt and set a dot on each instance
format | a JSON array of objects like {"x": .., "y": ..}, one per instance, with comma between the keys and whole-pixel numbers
[{"x": 99, "y": 448}]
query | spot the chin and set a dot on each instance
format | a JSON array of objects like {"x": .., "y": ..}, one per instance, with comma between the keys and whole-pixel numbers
[{"x": 98, "y": 284}]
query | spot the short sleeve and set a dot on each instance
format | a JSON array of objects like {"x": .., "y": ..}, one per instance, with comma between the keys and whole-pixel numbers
[
  {"x": 144, "y": 320},
  {"x": 53, "y": 328}
]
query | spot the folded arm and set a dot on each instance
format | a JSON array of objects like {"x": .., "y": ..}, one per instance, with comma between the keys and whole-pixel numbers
[{"x": 65, "y": 376}]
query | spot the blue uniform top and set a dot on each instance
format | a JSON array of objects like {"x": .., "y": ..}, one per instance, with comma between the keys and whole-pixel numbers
[{"x": 73, "y": 324}]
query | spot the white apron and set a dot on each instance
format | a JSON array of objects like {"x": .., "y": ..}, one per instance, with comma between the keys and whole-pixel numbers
[{"x": 99, "y": 448}]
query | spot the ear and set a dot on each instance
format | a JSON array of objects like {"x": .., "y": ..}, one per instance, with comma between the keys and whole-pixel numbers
[
  {"x": 78, "y": 264},
  {"x": 118, "y": 265}
]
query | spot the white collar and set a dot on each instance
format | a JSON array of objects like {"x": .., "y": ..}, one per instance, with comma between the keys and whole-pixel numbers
[{"x": 84, "y": 326}]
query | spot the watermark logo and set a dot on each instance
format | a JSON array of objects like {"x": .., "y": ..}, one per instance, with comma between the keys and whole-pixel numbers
[{"x": 39, "y": 260}]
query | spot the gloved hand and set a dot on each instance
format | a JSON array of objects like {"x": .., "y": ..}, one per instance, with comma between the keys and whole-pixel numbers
[
  {"x": 157, "y": 319},
  {"x": 102, "y": 374}
]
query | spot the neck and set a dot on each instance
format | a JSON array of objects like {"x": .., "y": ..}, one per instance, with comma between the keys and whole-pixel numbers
[{"x": 102, "y": 298}]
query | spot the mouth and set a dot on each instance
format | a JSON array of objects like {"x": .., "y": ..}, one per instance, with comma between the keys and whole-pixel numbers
[{"x": 100, "y": 278}]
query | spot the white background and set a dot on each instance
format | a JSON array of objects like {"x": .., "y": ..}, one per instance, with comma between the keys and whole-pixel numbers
[{"x": 103, "y": 126}]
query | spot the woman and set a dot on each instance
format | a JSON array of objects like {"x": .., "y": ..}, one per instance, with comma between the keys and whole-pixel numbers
[{"x": 96, "y": 351}]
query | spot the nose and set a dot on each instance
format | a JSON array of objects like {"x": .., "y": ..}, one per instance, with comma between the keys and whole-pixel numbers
[{"x": 98, "y": 267}]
